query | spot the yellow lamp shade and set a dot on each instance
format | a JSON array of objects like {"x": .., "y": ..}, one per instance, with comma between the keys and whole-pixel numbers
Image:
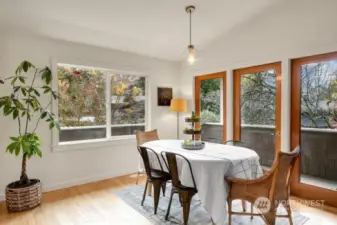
[{"x": 179, "y": 105}]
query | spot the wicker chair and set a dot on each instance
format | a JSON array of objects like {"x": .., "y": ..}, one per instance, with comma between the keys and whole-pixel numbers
[
  {"x": 185, "y": 193},
  {"x": 156, "y": 177},
  {"x": 145, "y": 136},
  {"x": 274, "y": 185}
]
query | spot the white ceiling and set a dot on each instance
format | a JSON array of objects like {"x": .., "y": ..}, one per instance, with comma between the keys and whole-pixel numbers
[{"x": 155, "y": 28}]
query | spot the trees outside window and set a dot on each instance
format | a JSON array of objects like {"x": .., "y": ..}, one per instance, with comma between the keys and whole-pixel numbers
[{"x": 83, "y": 107}]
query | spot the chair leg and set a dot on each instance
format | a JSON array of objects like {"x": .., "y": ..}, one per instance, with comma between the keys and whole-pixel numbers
[
  {"x": 164, "y": 188},
  {"x": 270, "y": 217},
  {"x": 180, "y": 199},
  {"x": 251, "y": 210},
  {"x": 147, "y": 182},
  {"x": 137, "y": 178},
  {"x": 169, "y": 206},
  {"x": 156, "y": 193},
  {"x": 229, "y": 211},
  {"x": 186, "y": 197},
  {"x": 287, "y": 207},
  {"x": 244, "y": 205},
  {"x": 149, "y": 189}
]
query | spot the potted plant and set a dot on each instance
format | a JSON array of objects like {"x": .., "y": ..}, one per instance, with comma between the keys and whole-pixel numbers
[{"x": 23, "y": 105}]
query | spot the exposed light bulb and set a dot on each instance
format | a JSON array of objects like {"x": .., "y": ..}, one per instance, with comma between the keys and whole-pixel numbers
[{"x": 191, "y": 55}]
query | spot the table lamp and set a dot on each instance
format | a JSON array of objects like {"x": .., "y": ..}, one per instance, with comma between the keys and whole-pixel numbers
[{"x": 178, "y": 105}]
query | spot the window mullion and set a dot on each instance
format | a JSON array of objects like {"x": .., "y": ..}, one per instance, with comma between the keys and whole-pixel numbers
[{"x": 108, "y": 103}]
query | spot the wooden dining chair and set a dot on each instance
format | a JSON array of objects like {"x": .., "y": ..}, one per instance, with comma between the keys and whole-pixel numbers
[
  {"x": 156, "y": 177},
  {"x": 274, "y": 186},
  {"x": 185, "y": 193},
  {"x": 142, "y": 137}
]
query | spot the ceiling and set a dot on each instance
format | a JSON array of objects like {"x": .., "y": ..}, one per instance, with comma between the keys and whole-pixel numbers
[{"x": 155, "y": 28}]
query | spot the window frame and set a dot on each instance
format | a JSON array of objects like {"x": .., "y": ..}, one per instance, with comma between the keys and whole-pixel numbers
[{"x": 99, "y": 142}]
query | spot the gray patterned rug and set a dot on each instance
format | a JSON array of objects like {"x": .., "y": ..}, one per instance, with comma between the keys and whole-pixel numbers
[{"x": 198, "y": 216}]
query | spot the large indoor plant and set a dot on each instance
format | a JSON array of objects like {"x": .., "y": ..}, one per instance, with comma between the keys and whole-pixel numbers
[{"x": 23, "y": 104}]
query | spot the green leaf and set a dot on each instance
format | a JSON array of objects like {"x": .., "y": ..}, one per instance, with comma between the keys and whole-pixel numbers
[
  {"x": 17, "y": 149},
  {"x": 14, "y": 138},
  {"x": 39, "y": 153},
  {"x": 9, "y": 111},
  {"x": 15, "y": 114},
  {"x": 36, "y": 93},
  {"x": 12, "y": 146},
  {"x": 58, "y": 126},
  {"x": 14, "y": 80},
  {"x": 22, "y": 79},
  {"x": 23, "y": 91},
  {"x": 51, "y": 125},
  {"x": 25, "y": 65},
  {"x": 43, "y": 115},
  {"x": 7, "y": 108},
  {"x": 25, "y": 147},
  {"x": 46, "y": 75},
  {"x": 16, "y": 88}
]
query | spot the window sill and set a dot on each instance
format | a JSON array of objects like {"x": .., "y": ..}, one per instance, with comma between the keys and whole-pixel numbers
[{"x": 95, "y": 143}]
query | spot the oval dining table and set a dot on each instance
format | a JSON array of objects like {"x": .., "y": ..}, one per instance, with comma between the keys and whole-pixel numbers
[{"x": 210, "y": 166}]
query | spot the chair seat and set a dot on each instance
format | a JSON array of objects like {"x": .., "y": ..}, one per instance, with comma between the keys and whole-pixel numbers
[
  {"x": 185, "y": 188},
  {"x": 160, "y": 175}
]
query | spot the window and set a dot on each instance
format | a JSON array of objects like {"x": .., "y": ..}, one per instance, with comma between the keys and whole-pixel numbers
[
  {"x": 97, "y": 103},
  {"x": 210, "y": 101}
]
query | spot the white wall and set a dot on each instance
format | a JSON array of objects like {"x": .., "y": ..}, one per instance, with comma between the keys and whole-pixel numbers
[
  {"x": 62, "y": 169},
  {"x": 290, "y": 30}
]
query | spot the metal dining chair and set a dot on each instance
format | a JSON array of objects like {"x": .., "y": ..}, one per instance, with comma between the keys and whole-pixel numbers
[
  {"x": 185, "y": 193},
  {"x": 156, "y": 177},
  {"x": 142, "y": 137}
]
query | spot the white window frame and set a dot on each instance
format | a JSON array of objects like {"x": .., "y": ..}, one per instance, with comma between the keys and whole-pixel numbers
[{"x": 108, "y": 140}]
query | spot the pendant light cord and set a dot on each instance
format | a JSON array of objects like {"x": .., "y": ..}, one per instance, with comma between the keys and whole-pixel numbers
[{"x": 190, "y": 27}]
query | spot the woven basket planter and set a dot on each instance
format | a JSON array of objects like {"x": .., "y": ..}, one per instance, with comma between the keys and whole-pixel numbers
[{"x": 23, "y": 198}]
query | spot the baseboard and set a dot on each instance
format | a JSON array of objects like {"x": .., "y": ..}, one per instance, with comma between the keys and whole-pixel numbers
[
  {"x": 71, "y": 183},
  {"x": 80, "y": 181}
]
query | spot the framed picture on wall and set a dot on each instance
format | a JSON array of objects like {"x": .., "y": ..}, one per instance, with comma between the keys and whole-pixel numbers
[{"x": 164, "y": 96}]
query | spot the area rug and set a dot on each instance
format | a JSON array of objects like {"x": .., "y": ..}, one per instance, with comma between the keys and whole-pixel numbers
[{"x": 198, "y": 216}]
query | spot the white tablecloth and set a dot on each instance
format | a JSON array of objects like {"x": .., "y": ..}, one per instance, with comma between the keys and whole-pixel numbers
[{"x": 209, "y": 167}]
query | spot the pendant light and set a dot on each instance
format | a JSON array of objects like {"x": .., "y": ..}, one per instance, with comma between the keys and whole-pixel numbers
[{"x": 191, "y": 51}]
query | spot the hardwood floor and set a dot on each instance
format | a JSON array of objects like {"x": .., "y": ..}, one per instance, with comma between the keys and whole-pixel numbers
[{"x": 96, "y": 204}]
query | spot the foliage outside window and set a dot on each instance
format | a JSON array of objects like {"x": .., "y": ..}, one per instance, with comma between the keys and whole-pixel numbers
[
  {"x": 127, "y": 101},
  {"x": 319, "y": 95},
  {"x": 210, "y": 91},
  {"x": 258, "y": 97},
  {"x": 83, "y": 110}
]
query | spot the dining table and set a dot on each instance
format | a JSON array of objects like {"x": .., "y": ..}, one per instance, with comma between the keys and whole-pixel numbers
[{"x": 210, "y": 166}]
